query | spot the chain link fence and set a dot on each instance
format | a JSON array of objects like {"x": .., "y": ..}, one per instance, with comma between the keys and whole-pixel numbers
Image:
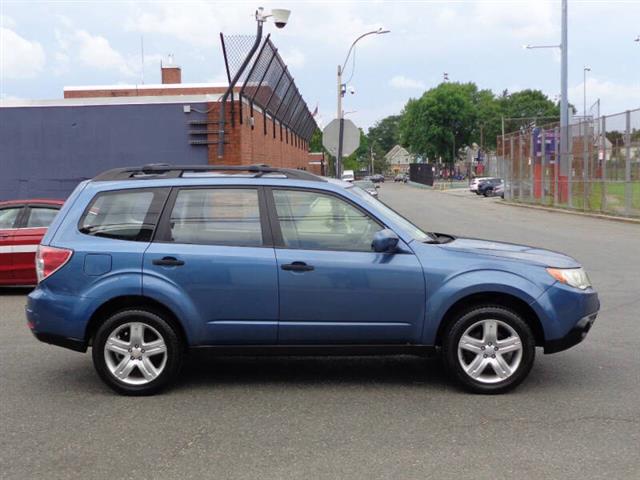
[{"x": 601, "y": 173}]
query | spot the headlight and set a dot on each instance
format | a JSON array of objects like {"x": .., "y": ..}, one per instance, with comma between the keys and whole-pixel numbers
[{"x": 574, "y": 277}]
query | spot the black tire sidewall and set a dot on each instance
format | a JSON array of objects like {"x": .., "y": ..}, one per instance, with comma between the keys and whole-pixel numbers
[
  {"x": 464, "y": 321},
  {"x": 153, "y": 319}
]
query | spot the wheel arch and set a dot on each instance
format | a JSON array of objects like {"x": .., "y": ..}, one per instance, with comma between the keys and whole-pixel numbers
[
  {"x": 500, "y": 299},
  {"x": 123, "y": 302}
]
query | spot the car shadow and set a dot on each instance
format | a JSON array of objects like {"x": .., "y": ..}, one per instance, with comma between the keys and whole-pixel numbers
[
  {"x": 14, "y": 291},
  {"x": 204, "y": 370}
]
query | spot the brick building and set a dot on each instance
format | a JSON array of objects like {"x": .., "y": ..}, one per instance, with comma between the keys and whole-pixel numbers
[{"x": 47, "y": 147}]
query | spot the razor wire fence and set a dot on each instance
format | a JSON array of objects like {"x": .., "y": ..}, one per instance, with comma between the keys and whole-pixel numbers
[
  {"x": 602, "y": 172},
  {"x": 267, "y": 83}
]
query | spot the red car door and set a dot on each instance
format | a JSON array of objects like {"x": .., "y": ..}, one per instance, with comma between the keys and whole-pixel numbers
[
  {"x": 9, "y": 216},
  {"x": 26, "y": 239}
]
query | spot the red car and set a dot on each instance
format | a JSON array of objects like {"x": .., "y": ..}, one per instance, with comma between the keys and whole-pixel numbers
[{"x": 23, "y": 223}]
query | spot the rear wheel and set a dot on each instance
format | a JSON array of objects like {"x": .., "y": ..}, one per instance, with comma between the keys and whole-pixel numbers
[
  {"x": 137, "y": 352},
  {"x": 489, "y": 349}
]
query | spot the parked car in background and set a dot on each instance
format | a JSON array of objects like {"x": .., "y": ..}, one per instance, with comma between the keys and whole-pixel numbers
[
  {"x": 498, "y": 190},
  {"x": 473, "y": 187},
  {"x": 145, "y": 263},
  {"x": 377, "y": 178},
  {"x": 401, "y": 177},
  {"x": 486, "y": 187},
  {"x": 368, "y": 186},
  {"x": 348, "y": 176},
  {"x": 23, "y": 223}
]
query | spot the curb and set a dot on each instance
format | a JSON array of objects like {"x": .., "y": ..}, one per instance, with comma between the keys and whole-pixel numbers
[{"x": 601, "y": 216}]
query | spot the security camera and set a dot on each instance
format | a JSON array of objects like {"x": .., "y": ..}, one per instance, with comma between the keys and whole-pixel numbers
[
  {"x": 351, "y": 89},
  {"x": 280, "y": 16}
]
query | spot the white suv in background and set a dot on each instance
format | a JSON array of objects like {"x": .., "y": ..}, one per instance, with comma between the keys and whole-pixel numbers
[{"x": 475, "y": 182}]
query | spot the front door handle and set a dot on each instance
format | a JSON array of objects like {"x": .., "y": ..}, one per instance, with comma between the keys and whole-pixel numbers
[
  {"x": 297, "y": 267},
  {"x": 168, "y": 262}
]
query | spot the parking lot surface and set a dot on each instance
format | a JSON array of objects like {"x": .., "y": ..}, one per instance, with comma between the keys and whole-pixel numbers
[{"x": 577, "y": 415}]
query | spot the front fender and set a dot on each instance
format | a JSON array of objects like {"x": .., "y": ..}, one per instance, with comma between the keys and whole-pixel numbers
[{"x": 462, "y": 285}]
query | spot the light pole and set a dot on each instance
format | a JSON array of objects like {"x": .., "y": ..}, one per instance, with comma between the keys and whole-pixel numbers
[
  {"x": 280, "y": 17},
  {"x": 342, "y": 88},
  {"x": 565, "y": 168},
  {"x": 584, "y": 93}
]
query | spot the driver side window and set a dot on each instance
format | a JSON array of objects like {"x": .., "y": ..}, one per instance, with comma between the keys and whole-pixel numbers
[{"x": 316, "y": 221}]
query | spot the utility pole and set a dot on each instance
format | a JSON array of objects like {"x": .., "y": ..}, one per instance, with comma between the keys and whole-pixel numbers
[{"x": 565, "y": 167}]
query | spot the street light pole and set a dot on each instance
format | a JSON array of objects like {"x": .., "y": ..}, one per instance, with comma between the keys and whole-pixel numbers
[
  {"x": 584, "y": 93},
  {"x": 341, "y": 91}
]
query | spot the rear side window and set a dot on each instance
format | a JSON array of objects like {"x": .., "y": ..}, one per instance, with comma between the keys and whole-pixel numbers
[
  {"x": 8, "y": 217},
  {"x": 41, "y": 217},
  {"x": 124, "y": 214},
  {"x": 217, "y": 216}
]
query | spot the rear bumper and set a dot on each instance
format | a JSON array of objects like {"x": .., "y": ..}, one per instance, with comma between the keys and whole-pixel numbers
[
  {"x": 573, "y": 337},
  {"x": 60, "y": 341}
]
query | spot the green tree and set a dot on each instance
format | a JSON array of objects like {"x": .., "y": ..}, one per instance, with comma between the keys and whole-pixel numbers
[
  {"x": 530, "y": 105},
  {"x": 385, "y": 133},
  {"x": 315, "y": 144},
  {"x": 441, "y": 121}
]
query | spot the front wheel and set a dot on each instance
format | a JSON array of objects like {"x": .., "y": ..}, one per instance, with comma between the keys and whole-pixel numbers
[
  {"x": 489, "y": 349},
  {"x": 137, "y": 352}
]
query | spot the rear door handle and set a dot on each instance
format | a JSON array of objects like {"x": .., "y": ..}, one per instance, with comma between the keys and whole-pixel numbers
[
  {"x": 297, "y": 267},
  {"x": 168, "y": 262}
]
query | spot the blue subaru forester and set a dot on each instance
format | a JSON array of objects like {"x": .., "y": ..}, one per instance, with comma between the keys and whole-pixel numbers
[{"x": 145, "y": 264}]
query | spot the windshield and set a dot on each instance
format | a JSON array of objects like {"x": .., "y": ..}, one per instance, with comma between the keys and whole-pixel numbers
[{"x": 405, "y": 224}]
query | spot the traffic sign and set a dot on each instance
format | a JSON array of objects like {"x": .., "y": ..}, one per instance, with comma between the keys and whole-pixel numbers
[{"x": 350, "y": 137}]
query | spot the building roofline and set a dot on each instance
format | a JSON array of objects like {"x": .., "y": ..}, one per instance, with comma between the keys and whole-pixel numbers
[
  {"x": 97, "y": 101},
  {"x": 144, "y": 86}
]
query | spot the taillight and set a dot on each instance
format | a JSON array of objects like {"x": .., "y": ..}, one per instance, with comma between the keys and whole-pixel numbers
[{"x": 50, "y": 259}]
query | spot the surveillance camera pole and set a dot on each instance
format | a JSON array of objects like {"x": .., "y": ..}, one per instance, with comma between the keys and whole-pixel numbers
[{"x": 341, "y": 90}]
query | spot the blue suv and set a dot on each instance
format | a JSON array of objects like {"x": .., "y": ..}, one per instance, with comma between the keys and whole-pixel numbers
[{"x": 146, "y": 264}]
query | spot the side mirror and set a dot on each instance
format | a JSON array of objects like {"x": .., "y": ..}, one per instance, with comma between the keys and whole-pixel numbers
[{"x": 385, "y": 241}]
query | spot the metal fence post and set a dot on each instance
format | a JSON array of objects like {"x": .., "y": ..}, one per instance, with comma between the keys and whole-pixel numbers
[
  {"x": 569, "y": 150},
  {"x": 603, "y": 169},
  {"x": 585, "y": 164},
  {"x": 520, "y": 166},
  {"x": 556, "y": 165},
  {"x": 627, "y": 164},
  {"x": 543, "y": 161},
  {"x": 532, "y": 162},
  {"x": 511, "y": 162}
]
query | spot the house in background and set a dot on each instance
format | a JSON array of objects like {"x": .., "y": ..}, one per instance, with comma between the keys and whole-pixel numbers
[{"x": 399, "y": 159}]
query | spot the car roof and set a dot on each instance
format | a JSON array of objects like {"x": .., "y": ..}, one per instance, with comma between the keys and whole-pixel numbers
[{"x": 29, "y": 201}]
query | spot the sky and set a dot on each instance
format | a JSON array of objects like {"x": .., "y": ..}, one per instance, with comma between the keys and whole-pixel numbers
[{"x": 47, "y": 45}]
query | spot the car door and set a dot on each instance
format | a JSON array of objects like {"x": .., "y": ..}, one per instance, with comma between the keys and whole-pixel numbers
[
  {"x": 333, "y": 288},
  {"x": 214, "y": 245},
  {"x": 27, "y": 237},
  {"x": 9, "y": 218}
]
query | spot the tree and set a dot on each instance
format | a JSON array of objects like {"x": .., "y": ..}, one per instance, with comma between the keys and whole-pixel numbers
[
  {"x": 315, "y": 144},
  {"x": 530, "y": 105},
  {"x": 441, "y": 121},
  {"x": 385, "y": 132}
]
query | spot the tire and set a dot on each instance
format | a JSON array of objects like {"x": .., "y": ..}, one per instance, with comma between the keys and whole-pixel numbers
[
  {"x": 479, "y": 351},
  {"x": 141, "y": 372}
]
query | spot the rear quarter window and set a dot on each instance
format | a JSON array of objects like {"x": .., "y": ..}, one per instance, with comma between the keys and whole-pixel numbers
[{"x": 124, "y": 214}]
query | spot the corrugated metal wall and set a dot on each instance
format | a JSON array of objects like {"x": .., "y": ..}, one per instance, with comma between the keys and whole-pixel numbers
[{"x": 46, "y": 151}]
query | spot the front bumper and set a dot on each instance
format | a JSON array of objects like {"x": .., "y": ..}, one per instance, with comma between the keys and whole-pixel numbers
[{"x": 573, "y": 337}]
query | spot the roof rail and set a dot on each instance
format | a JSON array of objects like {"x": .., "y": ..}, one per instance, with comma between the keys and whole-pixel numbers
[{"x": 163, "y": 170}]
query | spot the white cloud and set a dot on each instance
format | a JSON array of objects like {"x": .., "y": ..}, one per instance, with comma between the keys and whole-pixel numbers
[
  {"x": 294, "y": 58},
  {"x": 400, "y": 81},
  {"x": 7, "y": 22},
  {"x": 614, "y": 97},
  {"x": 19, "y": 57},
  {"x": 95, "y": 51},
  {"x": 78, "y": 46}
]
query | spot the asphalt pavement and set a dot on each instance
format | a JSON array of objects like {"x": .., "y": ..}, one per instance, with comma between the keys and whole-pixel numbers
[{"x": 576, "y": 417}]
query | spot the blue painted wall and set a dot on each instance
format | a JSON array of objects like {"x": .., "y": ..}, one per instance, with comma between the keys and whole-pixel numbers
[{"x": 46, "y": 151}]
